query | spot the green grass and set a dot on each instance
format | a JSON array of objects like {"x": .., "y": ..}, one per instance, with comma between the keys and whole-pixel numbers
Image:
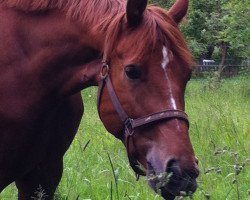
[{"x": 220, "y": 134}]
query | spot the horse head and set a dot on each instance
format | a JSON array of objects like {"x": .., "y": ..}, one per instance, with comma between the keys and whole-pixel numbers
[{"x": 145, "y": 70}]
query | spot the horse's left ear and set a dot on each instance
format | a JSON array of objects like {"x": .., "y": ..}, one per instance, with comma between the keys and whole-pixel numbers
[
  {"x": 135, "y": 10},
  {"x": 178, "y": 10}
]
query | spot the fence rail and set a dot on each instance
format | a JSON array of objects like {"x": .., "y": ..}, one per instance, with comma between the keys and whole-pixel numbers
[{"x": 228, "y": 70}]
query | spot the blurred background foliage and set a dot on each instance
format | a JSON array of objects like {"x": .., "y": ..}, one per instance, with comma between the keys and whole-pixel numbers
[{"x": 216, "y": 27}]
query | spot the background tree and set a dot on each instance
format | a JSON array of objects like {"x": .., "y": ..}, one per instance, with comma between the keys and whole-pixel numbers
[
  {"x": 218, "y": 26},
  {"x": 237, "y": 31}
]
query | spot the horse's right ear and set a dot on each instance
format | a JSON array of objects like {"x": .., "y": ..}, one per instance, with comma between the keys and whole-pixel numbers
[{"x": 135, "y": 10}]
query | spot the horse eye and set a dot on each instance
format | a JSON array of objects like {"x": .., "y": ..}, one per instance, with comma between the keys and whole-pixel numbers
[{"x": 133, "y": 72}]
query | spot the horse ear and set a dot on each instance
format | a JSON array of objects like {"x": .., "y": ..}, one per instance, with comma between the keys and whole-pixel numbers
[
  {"x": 178, "y": 10},
  {"x": 135, "y": 9}
]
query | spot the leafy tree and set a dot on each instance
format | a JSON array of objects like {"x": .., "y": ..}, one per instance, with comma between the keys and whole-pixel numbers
[
  {"x": 204, "y": 23},
  {"x": 237, "y": 31},
  {"x": 217, "y": 24}
]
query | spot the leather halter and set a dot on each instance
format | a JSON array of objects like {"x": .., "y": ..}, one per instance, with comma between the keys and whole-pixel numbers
[{"x": 131, "y": 124}]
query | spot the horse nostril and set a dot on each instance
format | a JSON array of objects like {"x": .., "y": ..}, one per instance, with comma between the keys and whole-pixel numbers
[{"x": 173, "y": 166}]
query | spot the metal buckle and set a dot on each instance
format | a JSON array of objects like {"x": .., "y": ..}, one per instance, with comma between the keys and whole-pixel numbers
[
  {"x": 128, "y": 126},
  {"x": 104, "y": 70}
]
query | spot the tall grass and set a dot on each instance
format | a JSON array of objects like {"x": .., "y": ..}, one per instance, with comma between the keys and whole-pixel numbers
[
  {"x": 96, "y": 165},
  {"x": 220, "y": 133}
]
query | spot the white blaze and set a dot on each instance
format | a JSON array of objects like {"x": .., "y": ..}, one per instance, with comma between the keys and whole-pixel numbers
[
  {"x": 165, "y": 58},
  {"x": 164, "y": 64}
]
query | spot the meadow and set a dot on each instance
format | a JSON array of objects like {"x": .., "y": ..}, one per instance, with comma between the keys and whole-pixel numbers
[{"x": 96, "y": 166}]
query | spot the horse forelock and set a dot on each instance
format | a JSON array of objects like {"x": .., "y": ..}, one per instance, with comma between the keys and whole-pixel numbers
[
  {"x": 157, "y": 28},
  {"x": 168, "y": 32}
]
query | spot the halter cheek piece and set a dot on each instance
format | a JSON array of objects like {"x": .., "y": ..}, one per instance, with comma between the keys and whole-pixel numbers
[{"x": 131, "y": 124}]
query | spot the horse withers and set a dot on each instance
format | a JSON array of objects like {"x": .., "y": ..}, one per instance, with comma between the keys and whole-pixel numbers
[{"x": 52, "y": 49}]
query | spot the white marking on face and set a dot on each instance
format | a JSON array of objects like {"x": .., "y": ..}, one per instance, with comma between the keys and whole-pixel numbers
[
  {"x": 164, "y": 64},
  {"x": 173, "y": 103},
  {"x": 165, "y": 58}
]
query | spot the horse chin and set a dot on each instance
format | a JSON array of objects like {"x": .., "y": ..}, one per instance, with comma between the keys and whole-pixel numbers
[
  {"x": 170, "y": 192},
  {"x": 167, "y": 195},
  {"x": 170, "y": 186}
]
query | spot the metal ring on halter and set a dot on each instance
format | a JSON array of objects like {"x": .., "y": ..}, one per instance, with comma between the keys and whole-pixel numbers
[{"x": 105, "y": 70}]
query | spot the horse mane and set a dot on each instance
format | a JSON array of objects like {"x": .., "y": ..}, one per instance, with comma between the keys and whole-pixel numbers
[
  {"x": 87, "y": 11},
  {"x": 108, "y": 16},
  {"x": 29, "y": 5}
]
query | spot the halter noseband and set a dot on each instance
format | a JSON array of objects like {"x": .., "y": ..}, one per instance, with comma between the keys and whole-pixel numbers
[{"x": 131, "y": 124}]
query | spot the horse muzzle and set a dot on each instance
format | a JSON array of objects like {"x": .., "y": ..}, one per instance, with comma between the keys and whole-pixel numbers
[{"x": 174, "y": 179}]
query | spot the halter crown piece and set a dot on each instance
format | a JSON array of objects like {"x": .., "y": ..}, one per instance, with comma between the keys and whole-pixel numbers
[{"x": 130, "y": 124}]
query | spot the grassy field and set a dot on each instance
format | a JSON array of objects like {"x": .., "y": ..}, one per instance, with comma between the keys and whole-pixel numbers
[{"x": 220, "y": 134}]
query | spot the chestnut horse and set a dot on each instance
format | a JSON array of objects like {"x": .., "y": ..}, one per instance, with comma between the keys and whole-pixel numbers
[{"x": 52, "y": 49}]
